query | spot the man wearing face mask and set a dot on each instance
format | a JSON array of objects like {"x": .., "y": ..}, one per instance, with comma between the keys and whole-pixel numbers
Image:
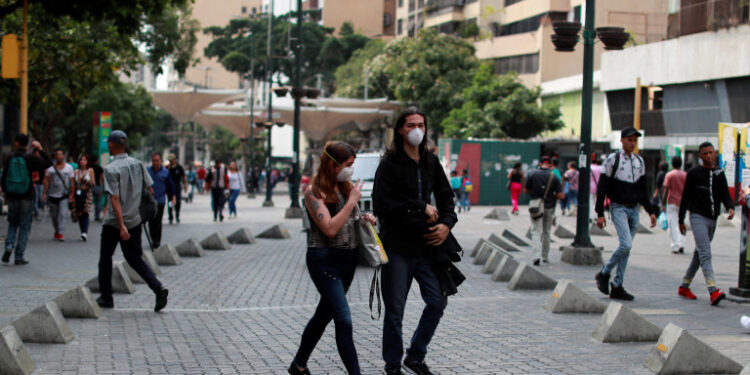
[{"x": 416, "y": 234}]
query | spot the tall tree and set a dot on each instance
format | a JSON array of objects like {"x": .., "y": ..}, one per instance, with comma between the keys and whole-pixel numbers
[
  {"x": 429, "y": 70},
  {"x": 500, "y": 106},
  {"x": 368, "y": 61}
]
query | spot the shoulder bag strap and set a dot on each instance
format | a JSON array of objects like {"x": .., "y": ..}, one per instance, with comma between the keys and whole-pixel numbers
[
  {"x": 546, "y": 190},
  {"x": 57, "y": 172}
]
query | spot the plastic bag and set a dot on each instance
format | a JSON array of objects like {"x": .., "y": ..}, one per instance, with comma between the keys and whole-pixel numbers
[{"x": 662, "y": 220}]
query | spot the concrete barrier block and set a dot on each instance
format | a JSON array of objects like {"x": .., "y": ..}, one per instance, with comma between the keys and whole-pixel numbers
[
  {"x": 563, "y": 232},
  {"x": 505, "y": 270},
  {"x": 527, "y": 277},
  {"x": 582, "y": 256},
  {"x": 568, "y": 298},
  {"x": 512, "y": 237},
  {"x": 14, "y": 357},
  {"x": 166, "y": 255},
  {"x": 134, "y": 276},
  {"x": 148, "y": 257},
  {"x": 190, "y": 248},
  {"x": 643, "y": 229},
  {"x": 621, "y": 324},
  {"x": 498, "y": 214},
  {"x": 216, "y": 241},
  {"x": 276, "y": 232},
  {"x": 502, "y": 243},
  {"x": 121, "y": 282},
  {"x": 242, "y": 236},
  {"x": 78, "y": 303},
  {"x": 493, "y": 261},
  {"x": 477, "y": 247},
  {"x": 528, "y": 233},
  {"x": 45, "y": 325},
  {"x": 484, "y": 254},
  {"x": 594, "y": 230},
  {"x": 679, "y": 352}
]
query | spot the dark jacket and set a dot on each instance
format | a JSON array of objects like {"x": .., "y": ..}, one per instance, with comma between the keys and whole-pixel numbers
[
  {"x": 33, "y": 164},
  {"x": 703, "y": 187},
  {"x": 397, "y": 204},
  {"x": 623, "y": 192}
]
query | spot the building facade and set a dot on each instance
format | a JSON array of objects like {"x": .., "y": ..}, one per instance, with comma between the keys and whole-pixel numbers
[{"x": 372, "y": 18}]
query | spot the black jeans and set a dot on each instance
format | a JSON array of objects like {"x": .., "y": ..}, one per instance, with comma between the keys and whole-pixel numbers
[
  {"x": 132, "y": 251},
  {"x": 177, "y": 206},
  {"x": 154, "y": 227},
  {"x": 217, "y": 202},
  {"x": 332, "y": 271}
]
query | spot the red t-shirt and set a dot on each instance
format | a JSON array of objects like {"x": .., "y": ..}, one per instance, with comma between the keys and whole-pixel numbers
[
  {"x": 201, "y": 173},
  {"x": 675, "y": 182}
]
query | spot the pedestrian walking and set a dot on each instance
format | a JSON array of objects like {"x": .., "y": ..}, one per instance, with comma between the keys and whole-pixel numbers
[
  {"x": 201, "y": 173},
  {"x": 659, "y": 184},
  {"x": 57, "y": 182},
  {"x": 236, "y": 185},
  {"x": 456, "y": 187},
  {"x": 179, "y": 183},
  {"x": 217, "y": 181},
  {"x": 623, "y": 181},
  {"x": 466, "y": 188},
  {"x": 124, "y": 181},
  {"x": 596, "y": 172},
  {"x": 330, "y": 203},
  {"x": 571, "y": 178},
  {"x": 705, "y": 190},
  {"x": 163, "y": 187},
  {"x": 37, "y": 179},
  {"x": 97, "y": 191},
  {"x": 192, "y": 179},
  {"x": 674, "y": 184},
  {"x": 16, "y": 182},
  {"x": 545, "y": 189},
  {"x": 416, "y": 234},
  {"x": 516, "y": 180},
  {"x": 83, "y": 182}
]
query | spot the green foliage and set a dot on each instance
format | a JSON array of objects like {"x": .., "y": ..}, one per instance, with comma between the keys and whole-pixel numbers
[
  {"x": 469, "y": 30},
  {"x": 350, "y": 77},
  {"x": 429, "y": 70},
  {"x": 498, "y": 107},
  {"x": 321, "y": 52},
  {"x": 171, "y": 33}
]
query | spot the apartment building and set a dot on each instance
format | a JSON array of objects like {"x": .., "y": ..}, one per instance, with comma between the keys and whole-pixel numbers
[{"x": 372, "y": 18}]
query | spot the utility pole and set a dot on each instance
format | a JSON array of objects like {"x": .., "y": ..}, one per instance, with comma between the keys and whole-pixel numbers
[
  {"x": 24, "y": 123},
  {"x": 295, "y": 211},
  {"x": 251, "y": 194},
  {"x": 269, "y": 67}
]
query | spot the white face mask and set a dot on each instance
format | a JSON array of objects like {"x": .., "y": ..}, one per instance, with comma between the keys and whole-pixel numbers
[
  {"x": 415, "y": 137},
  {"x": 345, "y": 174}
]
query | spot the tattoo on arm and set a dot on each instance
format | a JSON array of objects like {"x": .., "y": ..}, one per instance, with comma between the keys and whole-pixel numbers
[{"x": 320, "y": 216}]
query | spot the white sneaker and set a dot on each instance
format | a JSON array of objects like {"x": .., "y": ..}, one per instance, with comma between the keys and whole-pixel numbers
[
  {"x": 745, "y": 321},
  {"x": 84, "y": 237}
]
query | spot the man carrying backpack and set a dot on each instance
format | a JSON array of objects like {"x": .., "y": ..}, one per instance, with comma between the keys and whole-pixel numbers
[
  {"x": 466, "y": 189},
  {"x": 17, "y": 185},
  {"x": 623, "y": 180}
]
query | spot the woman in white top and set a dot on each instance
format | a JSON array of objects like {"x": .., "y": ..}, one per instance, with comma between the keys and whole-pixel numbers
[
  {"x": 236, "y": 185},
  {"x": 81, "y": 203}
]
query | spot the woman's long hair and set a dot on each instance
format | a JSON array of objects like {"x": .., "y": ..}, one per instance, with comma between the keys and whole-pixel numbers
[
  {"x": 325, "y": 180},
  {"x": 398, "y": 140}
]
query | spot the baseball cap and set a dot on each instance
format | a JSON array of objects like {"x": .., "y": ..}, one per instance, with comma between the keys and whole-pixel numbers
[
  {"x": 545, "y": 159},
  {"x": 118, "y": 136},
  {"x": 22, "y": 139},
  {"x": 629, "y": 132}
]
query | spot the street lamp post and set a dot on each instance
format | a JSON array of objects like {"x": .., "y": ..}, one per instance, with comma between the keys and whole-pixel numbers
[
  {"x": 582, "y": 250},
  {"x": 295, "y": 211},
  {"x": 251, "y": 77},
  {"x": 269, "y": 67}
]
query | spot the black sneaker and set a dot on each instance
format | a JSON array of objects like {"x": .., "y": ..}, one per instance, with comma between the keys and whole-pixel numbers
[
  {"x": 161, "y": 299},
  {"x": 6, "y": 257},
  {"x": 536, "y": 261},
  {"x": 416, "y": 367},
  {"x": 394, "y": 372},
  {"x": 105, "y": 303},
  {"x": 618, "y": 292},
  {"x": 602, "y": 282},
  {"x": 21, "y": 262},
  {"x": 682, "y": 250},
  {"x": 293, "y": 370}
]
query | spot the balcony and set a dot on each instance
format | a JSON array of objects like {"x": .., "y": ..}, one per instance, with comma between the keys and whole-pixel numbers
[
  {"x": 697, "y": 16},
  {"x": 437, "y": 7}
]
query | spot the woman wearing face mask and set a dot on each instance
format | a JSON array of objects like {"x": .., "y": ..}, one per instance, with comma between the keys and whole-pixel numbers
[{"x": 331, "y": 256}]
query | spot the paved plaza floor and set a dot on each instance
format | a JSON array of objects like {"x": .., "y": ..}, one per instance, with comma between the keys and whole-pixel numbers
[{"x": 242, "y": 311}]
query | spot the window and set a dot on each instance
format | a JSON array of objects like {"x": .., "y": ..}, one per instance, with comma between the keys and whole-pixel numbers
[
  {"x": 400, "y": 26},
  {"x": 244, "y": 10},
  {"x": 522, "y": 64},
  {"x": 387, "y": 20},
  {"x": 511, "y": 2},
  {"x": 400, "y": 3},
  {"x": 410, "y": 26},
  {"x": 522, "y": 26}
]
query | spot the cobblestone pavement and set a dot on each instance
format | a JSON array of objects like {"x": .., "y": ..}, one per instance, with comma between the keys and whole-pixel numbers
[{"x": 242, "y": 311}]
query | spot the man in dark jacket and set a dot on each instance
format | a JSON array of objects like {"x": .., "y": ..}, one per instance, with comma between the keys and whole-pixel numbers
[
  {"x": 17, "y": 183},
  {"x": 705, "y": 190},
  {"x": 623, "y": 180},
  {"x": 163, "y": 193},
  {"x": 179, "y": 182},
  {"x": 414, "y": 232}
]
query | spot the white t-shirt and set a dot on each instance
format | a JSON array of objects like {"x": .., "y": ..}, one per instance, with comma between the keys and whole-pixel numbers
[
  {"x": 234, "y": 180},
  {"x": 56, "y": 188}
]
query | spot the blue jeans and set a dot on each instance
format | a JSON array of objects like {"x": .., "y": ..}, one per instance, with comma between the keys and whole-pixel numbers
[
  {"x": 233, "y": 194},
  {"x": 332, "y": 271},
  {"x": 20, "y": 213},
  {"x": 465, "y": 200},
  {"x": 625, "y": 220},
  {"x": 397, "y": 276}
]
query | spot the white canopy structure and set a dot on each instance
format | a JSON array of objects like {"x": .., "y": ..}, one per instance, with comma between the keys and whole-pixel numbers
[{"x": 183, "y": 105}]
